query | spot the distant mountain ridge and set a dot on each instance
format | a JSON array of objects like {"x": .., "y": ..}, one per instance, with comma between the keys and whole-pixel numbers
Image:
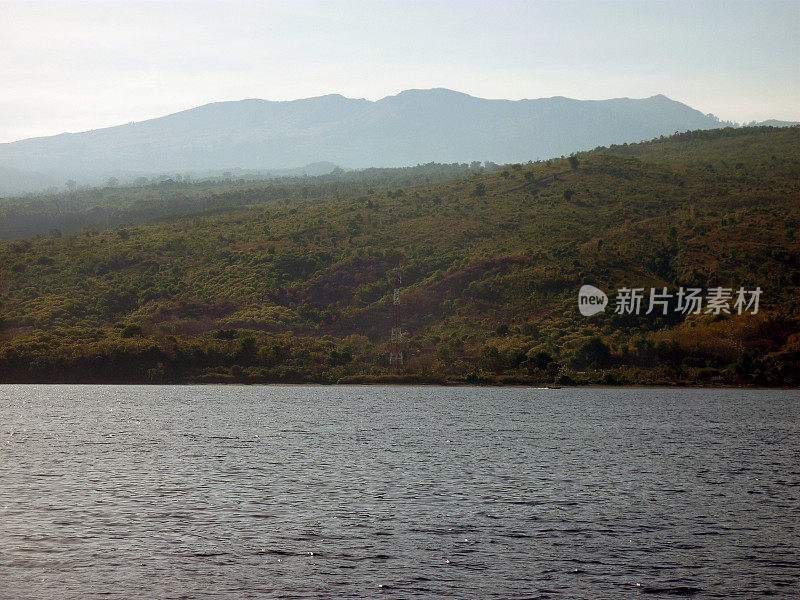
[{"x": 414, "y": 126}]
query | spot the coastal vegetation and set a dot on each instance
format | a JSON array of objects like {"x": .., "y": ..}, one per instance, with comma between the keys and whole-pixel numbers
[{"x": 290, "y": 280}]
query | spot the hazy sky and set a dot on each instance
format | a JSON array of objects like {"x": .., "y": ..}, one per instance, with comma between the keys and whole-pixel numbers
[{"x": 72, "y": 66}]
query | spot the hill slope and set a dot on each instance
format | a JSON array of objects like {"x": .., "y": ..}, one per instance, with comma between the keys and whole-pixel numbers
[
  {"x": 298, "y": 290},
  {"x": 415, "y": 126}
]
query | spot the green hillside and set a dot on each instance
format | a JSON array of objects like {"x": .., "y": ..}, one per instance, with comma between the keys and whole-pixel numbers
[{"x": 295, "y": 285}]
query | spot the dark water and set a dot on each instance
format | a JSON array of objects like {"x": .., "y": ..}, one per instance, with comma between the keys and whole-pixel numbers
[{"x": 391, "y": 492}]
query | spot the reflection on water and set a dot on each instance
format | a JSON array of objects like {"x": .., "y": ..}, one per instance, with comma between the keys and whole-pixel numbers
[{"x": 397, "y": 492}]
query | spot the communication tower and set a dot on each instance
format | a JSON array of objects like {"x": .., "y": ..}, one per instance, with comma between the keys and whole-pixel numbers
[{"x": 396, "y": 339}]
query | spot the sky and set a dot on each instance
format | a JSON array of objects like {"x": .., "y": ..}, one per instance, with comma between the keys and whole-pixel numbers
[{"x": 75, "y": 66}]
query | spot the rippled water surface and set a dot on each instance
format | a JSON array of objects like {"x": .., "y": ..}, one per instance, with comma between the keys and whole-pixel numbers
[{"x": 398, "y": 492}]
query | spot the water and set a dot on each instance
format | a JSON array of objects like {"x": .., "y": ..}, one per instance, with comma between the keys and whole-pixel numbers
[{"x": 398, "y": 492}]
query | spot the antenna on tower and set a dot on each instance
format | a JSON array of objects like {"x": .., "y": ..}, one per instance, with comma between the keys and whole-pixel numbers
[{"x": 395, "y": 341}]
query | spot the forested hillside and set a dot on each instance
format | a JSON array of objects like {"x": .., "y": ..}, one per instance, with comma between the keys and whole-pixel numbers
[
  {"x": 167, "y": 197},
  {"x": 261, "y": 286}
]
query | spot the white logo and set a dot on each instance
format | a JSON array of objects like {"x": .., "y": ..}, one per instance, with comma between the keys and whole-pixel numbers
[
  {"x": 633, "y": 301},
  {"x": 591, "y": 300}
]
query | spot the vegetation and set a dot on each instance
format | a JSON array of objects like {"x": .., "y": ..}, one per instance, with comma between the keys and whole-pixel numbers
[
  {"x": 171, "y": 196},
  {"x": 290, "y": 280}
]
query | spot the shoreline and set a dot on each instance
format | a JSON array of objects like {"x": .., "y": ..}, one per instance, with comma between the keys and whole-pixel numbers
[{"x": 658, "y": 386}]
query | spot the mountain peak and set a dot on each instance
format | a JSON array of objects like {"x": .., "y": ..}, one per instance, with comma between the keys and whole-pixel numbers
[
  {"x": 430, "y": 93},
  {"x": 413, "y": 126}
]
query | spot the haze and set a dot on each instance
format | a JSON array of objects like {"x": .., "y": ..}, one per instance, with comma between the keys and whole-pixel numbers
[{"x": 77, "y": 66}]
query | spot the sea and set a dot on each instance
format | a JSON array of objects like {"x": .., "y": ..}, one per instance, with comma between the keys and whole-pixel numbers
[{"x": 327, "y": 492}]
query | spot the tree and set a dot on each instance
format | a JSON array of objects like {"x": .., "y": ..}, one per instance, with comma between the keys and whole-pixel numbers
[
  {"x": 248, "y": 346},
  {"x": 539, "y": 360},
  {"x": 593, "y": 353},
  {"x": 491, "y": 359},
  {"x": 336, "y": 358},
  {"x": 131, "y": 330}
]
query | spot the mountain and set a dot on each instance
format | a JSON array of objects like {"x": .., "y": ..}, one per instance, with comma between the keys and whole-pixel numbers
[
  {"x": 413, "y": 127},
  {"x": 775, "y": 123},
  {"x": 292, "y": 280},
  {"x": 14, "y": 181}
]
